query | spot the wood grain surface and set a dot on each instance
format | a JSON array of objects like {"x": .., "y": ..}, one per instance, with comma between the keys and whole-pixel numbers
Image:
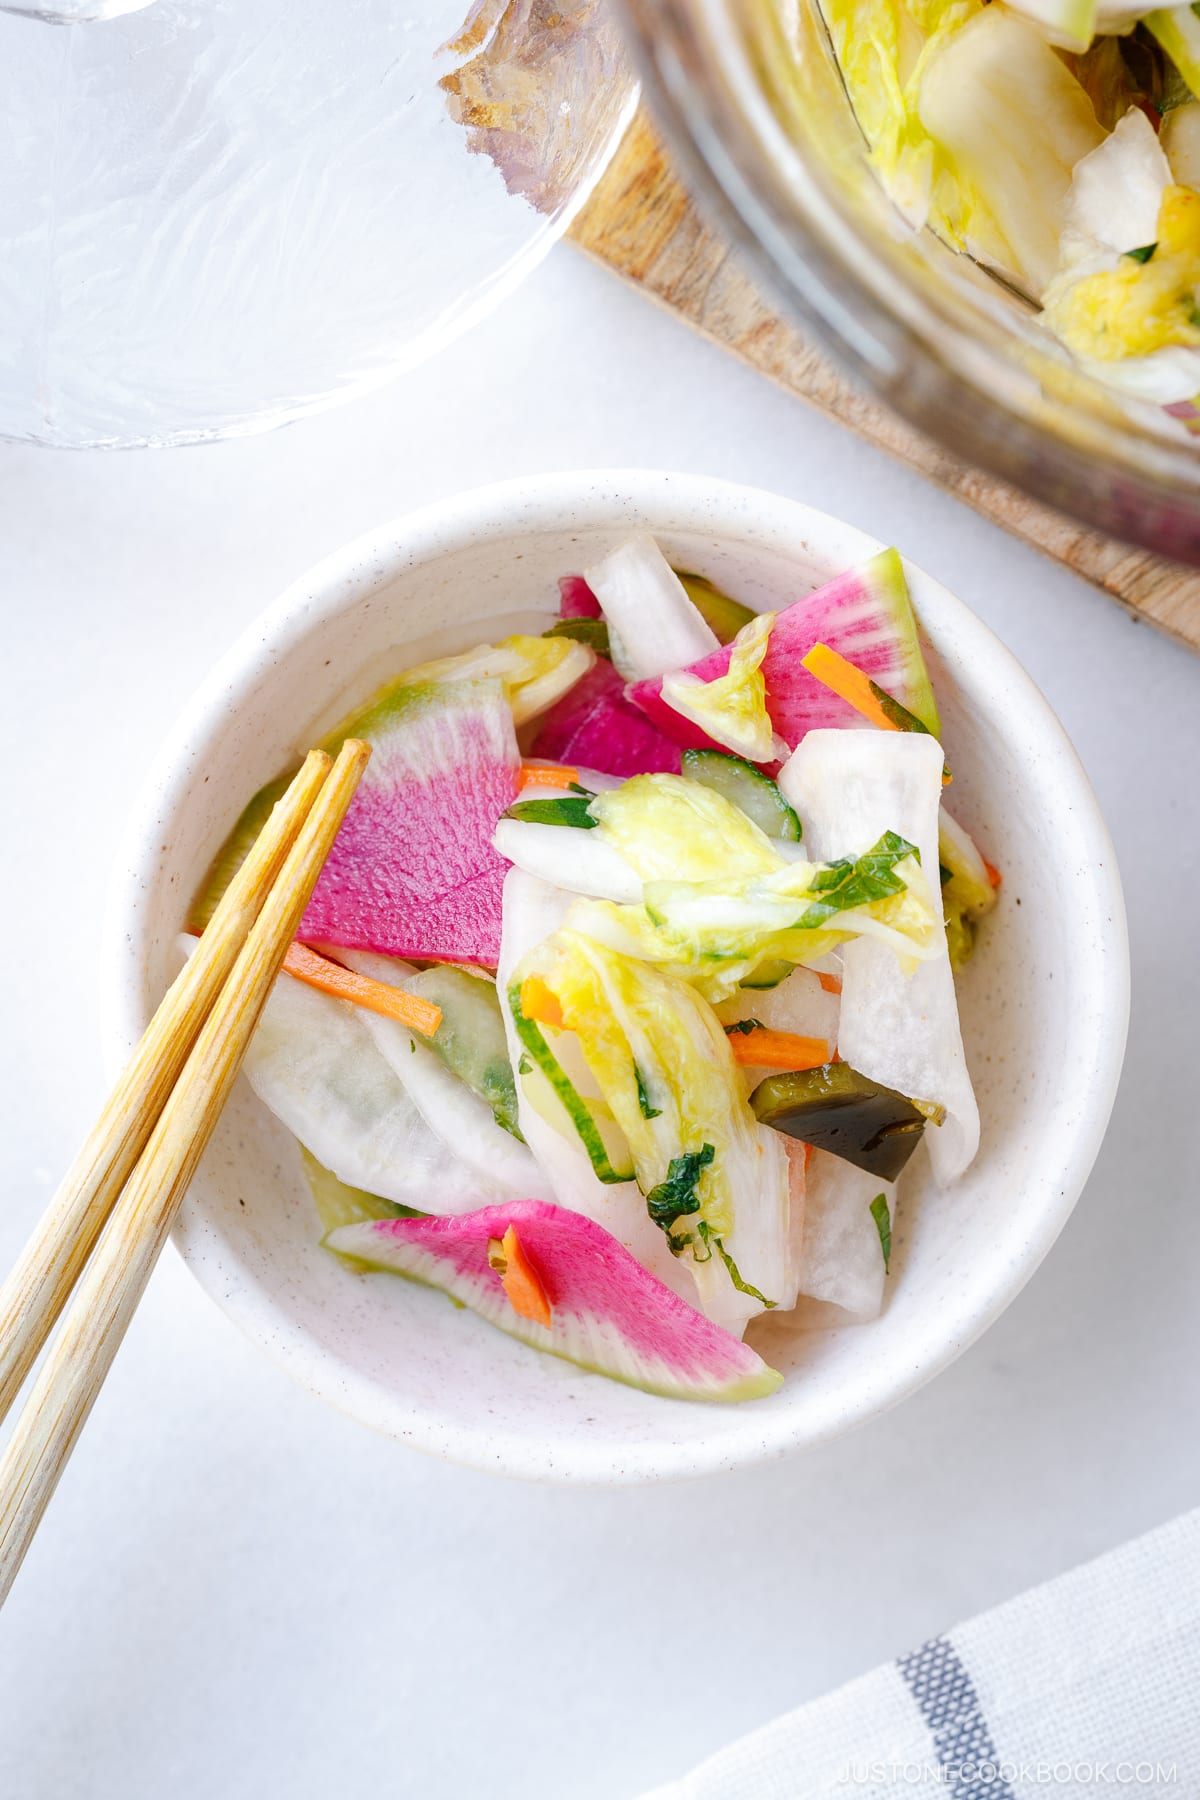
[{"x": 641, "y": 223}]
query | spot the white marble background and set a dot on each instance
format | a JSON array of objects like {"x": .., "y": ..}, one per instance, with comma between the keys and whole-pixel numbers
[{"x": 240, "y": 1595}]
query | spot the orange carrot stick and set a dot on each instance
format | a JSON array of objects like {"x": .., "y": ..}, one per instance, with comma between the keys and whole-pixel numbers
[
  {"x": 863, "y": 694},
  {"x": 834, "y": 672},
  {"x": 993, "y": 873},
  {"x": 831, "y": 984},
  {"x": 541, "y": 1003},
  {"x": 519, "y": 1278},
  {"x": 551, "y": 775},
  {"x": 330, "y": 978},
  {"x": 763, "y": 1049}
]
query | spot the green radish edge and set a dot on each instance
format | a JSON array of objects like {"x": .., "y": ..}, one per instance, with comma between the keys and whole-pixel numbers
[
  {"x": 748, "y": 788},
  {"x": 233, "y": 852},
  {"x": 1178, "y": 31},
  {"x": 609, "y": 1315},
  {"x": 576, "y": 1107},
  {"x": 338, "y": 1204},
  {"x": 865, "y": 614}
]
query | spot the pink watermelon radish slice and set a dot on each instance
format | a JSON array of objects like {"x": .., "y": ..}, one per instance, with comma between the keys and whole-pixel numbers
[
  {"x": 412, "y": 872},
  {"x": 865, "y": 615},
  {"x": 576, "y": 599},
  {"x": 594, "y": 726},
  {"x": 607, "y": 1313}
]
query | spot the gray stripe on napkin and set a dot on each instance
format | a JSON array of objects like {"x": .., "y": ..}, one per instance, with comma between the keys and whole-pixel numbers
[{"x": 938, "y": 1681}]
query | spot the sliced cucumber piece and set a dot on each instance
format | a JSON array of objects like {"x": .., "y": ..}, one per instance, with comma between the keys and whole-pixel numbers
[
  {"x": 835, "y": 1108},
  {"x": 470, "y": 1038},
  {"x": 748, "y": 788},
  {"x": 768, "y": 975},
  {"x": 578, "y": 1110},
  {"x": 723, "y": 616}
]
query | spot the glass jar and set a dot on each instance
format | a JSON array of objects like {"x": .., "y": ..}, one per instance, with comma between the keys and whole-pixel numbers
[{"x": 751, "y": 95}]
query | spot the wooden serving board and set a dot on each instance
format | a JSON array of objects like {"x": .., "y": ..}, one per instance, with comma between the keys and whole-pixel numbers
[{"x": 641, "y": 223}]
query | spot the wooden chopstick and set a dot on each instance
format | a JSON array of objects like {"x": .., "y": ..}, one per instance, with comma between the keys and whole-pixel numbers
[
  {"x": 36, "y": 1291},
  {"x": 113, "y": 1282}
]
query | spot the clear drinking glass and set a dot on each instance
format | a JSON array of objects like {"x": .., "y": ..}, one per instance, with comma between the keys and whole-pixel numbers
[{"x": 751, "y": 95}]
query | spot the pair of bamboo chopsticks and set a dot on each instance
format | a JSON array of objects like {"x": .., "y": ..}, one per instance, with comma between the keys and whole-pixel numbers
[{"x": 131, "y": 1174}]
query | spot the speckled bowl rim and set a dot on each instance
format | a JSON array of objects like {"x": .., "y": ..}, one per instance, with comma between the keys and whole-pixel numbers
[{"x": 586, "y": 500}]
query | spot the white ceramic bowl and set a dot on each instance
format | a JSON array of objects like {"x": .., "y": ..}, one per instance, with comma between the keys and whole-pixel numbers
[{"x": 1044, "y": 1003}]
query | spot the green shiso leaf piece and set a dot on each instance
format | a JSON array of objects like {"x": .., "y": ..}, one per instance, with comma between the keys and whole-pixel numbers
[
  {"x": 568, "y": 809},
  {"x": 675, "y": 1197},
  {"x": 883, "y": 1225},
  {"x": 743, "y": 1287},
  {"x": 899, "y": 714},
  {"x": 854, "y": 882},
  {"x": 901, "y": 718},
  {"x": 647, "y": 1111}
]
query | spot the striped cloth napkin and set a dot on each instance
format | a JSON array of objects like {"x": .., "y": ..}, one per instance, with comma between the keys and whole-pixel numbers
[{"x": 1087, "y": 1686}]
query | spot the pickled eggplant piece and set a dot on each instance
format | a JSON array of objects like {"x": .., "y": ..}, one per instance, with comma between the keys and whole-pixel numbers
[{"x": 835, "y": 1108}]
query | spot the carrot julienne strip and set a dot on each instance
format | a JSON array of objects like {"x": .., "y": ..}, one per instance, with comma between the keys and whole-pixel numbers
[
  {"x": 864, "y": 695},
  {"x": 830, "y": 984},
  {"x": 540, "y": 1003},
  {"x": 848, "y": 682},
  {"x": 361, "y": 990},
  {"x": 520, "y": 1280},
  {"x": 763, "y": 1049},
  {"x": 551, "y": 775}
]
